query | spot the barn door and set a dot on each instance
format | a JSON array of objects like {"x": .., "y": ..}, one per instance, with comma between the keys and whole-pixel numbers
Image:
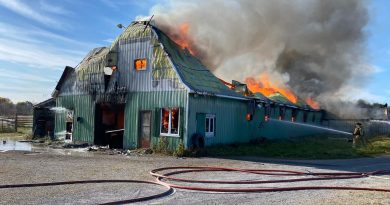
[
  {"x": 200, "y": 123},
  {"x": 145, "y": 129}
]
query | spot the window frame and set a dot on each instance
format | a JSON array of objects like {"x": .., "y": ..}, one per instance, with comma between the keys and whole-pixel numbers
[
  {"x": 141, "y": 59},
  {"x": 208, "y": 133},
  {"x": 169, "y": 134}
]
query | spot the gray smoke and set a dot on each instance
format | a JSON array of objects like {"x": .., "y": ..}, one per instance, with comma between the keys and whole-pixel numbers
[{"x": 315, "y": 47}]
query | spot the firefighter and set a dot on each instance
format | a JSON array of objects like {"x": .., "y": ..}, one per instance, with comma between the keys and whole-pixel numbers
[{"x": 358, "y": 134}]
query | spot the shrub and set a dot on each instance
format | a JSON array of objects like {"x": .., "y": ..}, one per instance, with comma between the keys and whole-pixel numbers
[
  {"x": 180, "y": 150},
  {"x": 163, "y": 145}
]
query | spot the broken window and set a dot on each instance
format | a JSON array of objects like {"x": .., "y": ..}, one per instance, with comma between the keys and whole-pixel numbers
[
  {"x": 267, "y": 113},
  {"x": 170, "y": 121},
  {"x": 210, "y": 125},
  {"x": 69, "y": 130},
  {"x": 69, "y": 125},
  {"x": 294, "y": 114},
  {"x": 140, "y": 64},
  {"x": 281, "y": 113}
]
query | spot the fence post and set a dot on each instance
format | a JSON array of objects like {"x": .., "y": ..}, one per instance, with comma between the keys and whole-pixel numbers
[{"x": 16, "y": 122}]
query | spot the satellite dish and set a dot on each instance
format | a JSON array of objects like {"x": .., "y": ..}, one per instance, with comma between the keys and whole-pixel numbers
[{"x": 107, "y": 71}]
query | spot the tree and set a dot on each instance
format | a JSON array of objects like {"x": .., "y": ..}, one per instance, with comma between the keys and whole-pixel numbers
[
  {"x": 7, "y": 108},
  {"x": 24, "y": 108}
]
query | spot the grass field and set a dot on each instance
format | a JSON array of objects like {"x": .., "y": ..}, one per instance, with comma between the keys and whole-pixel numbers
[
  {"x": 21, "y": 134},
  {"x": 306, "y": 148}
]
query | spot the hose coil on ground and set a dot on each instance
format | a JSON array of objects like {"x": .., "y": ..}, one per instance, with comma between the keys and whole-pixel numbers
[{"x": 167, "y": 179}]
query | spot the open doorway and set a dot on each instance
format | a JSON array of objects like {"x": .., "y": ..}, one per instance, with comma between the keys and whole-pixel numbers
[{"x": 109, "y": 125}]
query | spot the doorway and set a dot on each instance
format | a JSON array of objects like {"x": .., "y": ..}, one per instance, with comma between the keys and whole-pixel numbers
[
  {"x": 145, "y": 129},
  {"x": 109, "y": 125}
]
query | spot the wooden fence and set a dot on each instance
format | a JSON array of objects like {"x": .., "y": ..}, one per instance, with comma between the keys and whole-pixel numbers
[{"x": 11, "y": 124}]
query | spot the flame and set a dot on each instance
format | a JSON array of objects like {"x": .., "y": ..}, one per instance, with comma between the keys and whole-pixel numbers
[
  {"x": 312, "y": 103},
  {"x": 183, "y": 39},
  {"x": 266, "y": 87}
]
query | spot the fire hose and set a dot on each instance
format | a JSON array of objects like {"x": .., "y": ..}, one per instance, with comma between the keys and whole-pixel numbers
[
  {"x": 166, "y": 179},
  {"x": 169, "y": 190}
]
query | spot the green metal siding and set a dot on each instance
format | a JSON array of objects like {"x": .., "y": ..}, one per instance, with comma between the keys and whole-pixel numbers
[
  {"x": 300, "y": 116},
  {"x": 84, "y": 107},
  {"x": 153, "y": 101},
  {"x": 231, "y": 124}
]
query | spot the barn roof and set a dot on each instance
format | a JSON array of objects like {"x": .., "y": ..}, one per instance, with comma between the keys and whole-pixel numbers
[
  {"x": 279, "y": 98},
  {"x": 192, "y": 72}
]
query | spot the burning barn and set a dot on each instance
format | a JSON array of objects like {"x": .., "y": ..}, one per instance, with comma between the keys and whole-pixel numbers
[{"x": 145, "y": 86}]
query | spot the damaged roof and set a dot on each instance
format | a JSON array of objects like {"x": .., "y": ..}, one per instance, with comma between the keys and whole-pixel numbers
[
  {"x": 192, "y": 72},
  {"x": 178, "y": 62},
  {"x": 279, "y": 98}
]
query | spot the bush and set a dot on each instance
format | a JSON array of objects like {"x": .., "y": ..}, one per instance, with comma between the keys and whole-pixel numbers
[
  {"x": 163, "y": 145},
  {"x": 180, "y": 150}
]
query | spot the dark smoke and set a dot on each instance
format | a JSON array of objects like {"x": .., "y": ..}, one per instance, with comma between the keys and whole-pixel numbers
[{"x": 315, "y": 47}]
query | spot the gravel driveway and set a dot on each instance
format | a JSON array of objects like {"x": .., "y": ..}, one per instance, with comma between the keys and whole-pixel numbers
[{"x": 64, "y": 165}]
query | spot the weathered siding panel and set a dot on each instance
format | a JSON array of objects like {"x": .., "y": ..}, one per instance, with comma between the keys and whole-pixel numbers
[
  {"x": 153, "y": 101},
  {"x": 83, "y": 107}
]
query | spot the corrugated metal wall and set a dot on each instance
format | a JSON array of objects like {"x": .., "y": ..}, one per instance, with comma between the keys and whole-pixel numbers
[
  {"x": 84, "y": 107},
  {"x": 159, "y": 75},
  {"x": 232, "y": 126},
  {"x": 230, "y": 115},
  {"x": 153, "y": 101}
]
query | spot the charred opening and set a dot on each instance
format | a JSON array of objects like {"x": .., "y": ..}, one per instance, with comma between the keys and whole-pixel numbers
[{"x": 109, "y": 125}]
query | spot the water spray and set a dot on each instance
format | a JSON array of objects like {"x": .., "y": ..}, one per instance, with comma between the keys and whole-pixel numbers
[{"x": 313, "y": 126}]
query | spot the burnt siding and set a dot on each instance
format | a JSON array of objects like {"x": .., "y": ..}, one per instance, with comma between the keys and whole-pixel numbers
[{"x": 146, "y": 80}]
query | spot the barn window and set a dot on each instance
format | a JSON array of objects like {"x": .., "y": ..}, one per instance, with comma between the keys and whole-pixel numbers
[
  {"x": 281, "y": 113},
  {"x": 294, "y": 114},
  {"x": 140, "y": 64},
  {"x": 210, "y": 125},
  {"x": 170, "y": 121},
  {"x": 267, "y": 112}
]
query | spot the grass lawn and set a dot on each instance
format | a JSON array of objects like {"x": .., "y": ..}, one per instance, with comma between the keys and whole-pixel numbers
[
  {"x": 306, "y": 148},
  {"x": 21, "y": 134}
]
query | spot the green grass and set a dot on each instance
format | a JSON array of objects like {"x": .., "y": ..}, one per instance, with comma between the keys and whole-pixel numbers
[
  {"x": 376, "y": 146},
  {"x": 305, "y": 148},
  {"x": 22, "y": 134}
]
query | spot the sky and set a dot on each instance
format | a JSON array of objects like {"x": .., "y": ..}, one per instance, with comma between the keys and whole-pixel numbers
[{"x": 38, "y": 38}]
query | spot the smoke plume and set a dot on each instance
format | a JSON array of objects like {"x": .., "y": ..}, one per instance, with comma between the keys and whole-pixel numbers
[{"x": 314, "y": 47}]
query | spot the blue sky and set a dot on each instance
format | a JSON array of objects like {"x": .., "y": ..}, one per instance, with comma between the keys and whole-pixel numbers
[{"x": 38, "y": 38}]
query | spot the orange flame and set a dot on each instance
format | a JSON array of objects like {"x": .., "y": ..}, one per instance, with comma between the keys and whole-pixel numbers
[
  {"x": 182, "y": 38},
  {"x": 266, "y": 87},
  {"x": 312, "y": 103}
]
